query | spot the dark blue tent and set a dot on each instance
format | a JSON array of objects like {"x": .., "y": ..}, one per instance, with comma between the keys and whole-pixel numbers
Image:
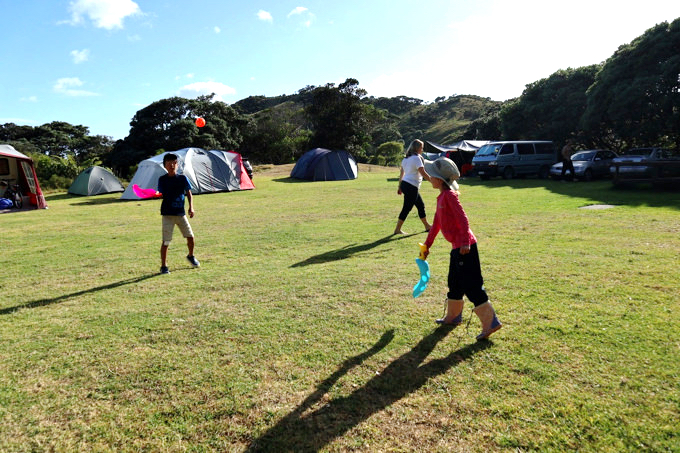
[{"x": 324, "y": 165}]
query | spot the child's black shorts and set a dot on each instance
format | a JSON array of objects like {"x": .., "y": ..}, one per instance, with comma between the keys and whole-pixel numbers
[{"x": 465, "y": 277}]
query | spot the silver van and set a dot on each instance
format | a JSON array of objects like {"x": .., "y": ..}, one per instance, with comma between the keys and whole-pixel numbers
[{"x": 514, "y": 158}]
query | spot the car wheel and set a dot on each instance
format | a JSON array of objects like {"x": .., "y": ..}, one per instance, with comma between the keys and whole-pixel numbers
[
  {"x": 508, "y": 173},
  {"x": 588, "y": 175},
  {"x": 544, "y": 172}
]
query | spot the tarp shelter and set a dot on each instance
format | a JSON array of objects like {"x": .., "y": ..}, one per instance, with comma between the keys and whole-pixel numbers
[
  {"x": 17, "y": 168},
  {"x": 207, "y": 171},
  {"x": 321, "y": 164},
  {"x": 460, "y": 152},
  {"x": 95, "y": 181}
]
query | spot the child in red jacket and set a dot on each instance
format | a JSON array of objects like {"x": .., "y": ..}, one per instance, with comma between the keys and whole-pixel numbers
[{"x": 465, "y": 274}]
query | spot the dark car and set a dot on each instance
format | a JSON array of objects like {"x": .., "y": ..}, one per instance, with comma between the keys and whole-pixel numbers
[
  {"x": 659, "y": 166},
  {"x": 588, "y": 164},
  {"x": 638, "y": 157}
]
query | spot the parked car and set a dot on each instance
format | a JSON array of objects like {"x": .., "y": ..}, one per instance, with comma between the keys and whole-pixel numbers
[
  {"x": 514, "y": 158},
  {"x": 642, "y": 164},
  {"x": 588, "y": 164}
]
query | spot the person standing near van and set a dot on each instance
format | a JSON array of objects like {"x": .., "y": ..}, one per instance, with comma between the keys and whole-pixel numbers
[
  {"x": 411, "y": 175},
  {"x": 567, "y": 164}
]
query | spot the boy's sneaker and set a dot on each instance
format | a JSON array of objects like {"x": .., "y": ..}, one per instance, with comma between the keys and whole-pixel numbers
[
  {"x": 165, "y": 270},
  {"x": 192, "y": 259}
]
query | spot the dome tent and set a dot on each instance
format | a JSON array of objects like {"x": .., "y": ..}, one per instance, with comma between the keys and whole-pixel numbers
[
  {"x": 95, "y": 181},
  {"x": 207, "y": 171},
  {"x": 321, "y": 164}
]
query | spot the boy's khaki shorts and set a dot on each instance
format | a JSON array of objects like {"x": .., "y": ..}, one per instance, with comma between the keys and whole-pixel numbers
[{"x": 169, "y": 222}]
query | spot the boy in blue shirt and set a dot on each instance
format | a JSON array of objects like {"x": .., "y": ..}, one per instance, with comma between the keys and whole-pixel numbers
[{"x": 173, "y": 187}]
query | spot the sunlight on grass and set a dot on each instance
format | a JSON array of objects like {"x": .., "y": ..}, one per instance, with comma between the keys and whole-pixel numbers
[{"x": 299, "y": 331}]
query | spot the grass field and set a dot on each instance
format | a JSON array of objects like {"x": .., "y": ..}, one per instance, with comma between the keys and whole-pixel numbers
[{"x": 299, "y": 333}]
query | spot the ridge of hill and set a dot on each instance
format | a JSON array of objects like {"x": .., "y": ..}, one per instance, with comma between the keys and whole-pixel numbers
[{"x": 443, "y": 121}]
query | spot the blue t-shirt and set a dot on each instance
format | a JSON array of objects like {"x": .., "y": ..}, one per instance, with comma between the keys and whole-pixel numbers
[{"x": 173, "y": 189}]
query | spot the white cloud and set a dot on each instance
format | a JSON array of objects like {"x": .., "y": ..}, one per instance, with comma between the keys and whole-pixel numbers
[
  {"x": 29, "y": 99},
  {"x": 265, "y": 16},
  {"x": 107, "y": 14},
  {"x": 298, "y": 10},
  {"x": 196, "y": 89},
  {"x": 217, "y": 29},
  {"x": 80, "y": 56},
  {"x": 67, "y": 86}
]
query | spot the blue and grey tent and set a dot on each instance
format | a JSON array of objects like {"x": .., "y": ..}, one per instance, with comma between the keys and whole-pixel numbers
[{"x": 321, "y": 164}]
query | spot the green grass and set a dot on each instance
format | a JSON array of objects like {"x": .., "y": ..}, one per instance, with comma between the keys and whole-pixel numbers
[{"x": 299, "y": 333}]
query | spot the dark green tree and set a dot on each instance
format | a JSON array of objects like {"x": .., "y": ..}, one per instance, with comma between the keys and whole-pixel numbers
[
  {"x": 58, "y": 139},
  {"x": 549, "y": 109},
  {"x": 340, "y": 120},
  {"x": 635, "y": 98},
  {"x": 276, "y": 135},
  {"x": 169, "y": 124},
  {"x": 487, "y": 126}
]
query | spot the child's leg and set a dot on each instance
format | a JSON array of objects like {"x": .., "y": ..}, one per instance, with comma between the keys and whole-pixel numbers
[
  {"x": 454, "y": 313},
  {"x": 190, "y": 245},
  {"x": 168, "y": 226},
  {"x": 454, "y": 301},
  {"x": 490, "y": 323},
  {"x": 164, "y": 255},
  {"x": 474, "y": 289}
]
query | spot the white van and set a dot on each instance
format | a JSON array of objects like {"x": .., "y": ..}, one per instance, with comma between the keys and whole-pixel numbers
[{"x": 513, "y": 158}]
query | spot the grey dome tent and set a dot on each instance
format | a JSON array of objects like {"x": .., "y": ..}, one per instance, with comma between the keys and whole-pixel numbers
[
  {"x": 95, "y": 181},
  {"x": 321, "y": 164},
  {"x": 207, "y": 171}
]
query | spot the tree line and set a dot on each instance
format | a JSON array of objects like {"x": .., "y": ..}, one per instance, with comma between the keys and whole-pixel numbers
[{"x": 631, "y": 99}]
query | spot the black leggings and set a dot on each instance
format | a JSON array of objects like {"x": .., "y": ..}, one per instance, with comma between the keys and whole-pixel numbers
[{"x": 411, "y": 198}]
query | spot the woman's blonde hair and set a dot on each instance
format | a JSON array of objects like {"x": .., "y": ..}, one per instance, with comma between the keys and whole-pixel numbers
[{"x": 415, "y": 145}]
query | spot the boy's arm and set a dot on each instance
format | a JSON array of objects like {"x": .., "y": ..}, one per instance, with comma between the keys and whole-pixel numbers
[{"x": 191, "y": 203}]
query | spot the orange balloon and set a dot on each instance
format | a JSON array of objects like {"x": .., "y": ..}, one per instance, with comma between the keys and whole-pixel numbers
[{"x": 200, "y": 122}]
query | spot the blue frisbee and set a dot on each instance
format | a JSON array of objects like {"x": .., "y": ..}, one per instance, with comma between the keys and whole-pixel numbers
[{"x": 419, "y": 287}]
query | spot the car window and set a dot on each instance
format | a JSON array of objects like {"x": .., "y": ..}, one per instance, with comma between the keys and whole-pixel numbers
[
  {"x": 581, "y": 156},
  {"x": 638, "y": 152},
  {"x": 488, "y": 150},
  {"x": 507, "y": 149},
  {"x": 545, "y": 148},
  {"x": 525, "y": 148}
]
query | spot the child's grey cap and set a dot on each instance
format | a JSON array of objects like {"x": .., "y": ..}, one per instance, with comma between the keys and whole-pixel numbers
[{"x": 444, "y": 169}]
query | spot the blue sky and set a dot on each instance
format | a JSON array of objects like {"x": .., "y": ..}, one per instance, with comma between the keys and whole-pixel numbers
[{"x": 97, "y": 62}]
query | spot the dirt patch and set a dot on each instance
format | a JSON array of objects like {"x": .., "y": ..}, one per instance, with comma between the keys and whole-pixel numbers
[{"x": 598, "y": 206}]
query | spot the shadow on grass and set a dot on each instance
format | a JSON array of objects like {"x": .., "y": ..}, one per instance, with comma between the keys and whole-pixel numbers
[
  {"x": 350, "y": 250},
  {"x": 600, "y": 191},
  {"x": 309, "y": 429},
  {"x": 57, "y": 196},
  {"x": 65, "y": 297},
  {"x": 84, "y": 201},
  {"x": 290, "y": 180}
]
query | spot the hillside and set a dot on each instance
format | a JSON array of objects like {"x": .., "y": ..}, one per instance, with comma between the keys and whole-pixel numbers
[{"x": 442, "y": 121}]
